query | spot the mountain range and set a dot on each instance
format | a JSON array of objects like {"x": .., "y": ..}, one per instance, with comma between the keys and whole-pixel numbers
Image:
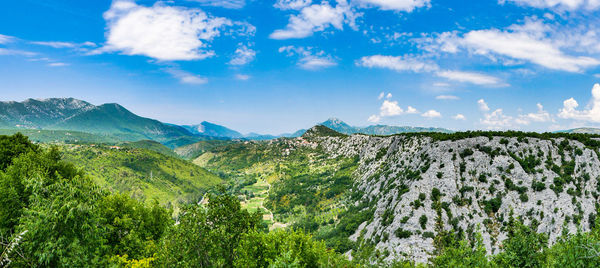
[{"x": 112, "y": 121}]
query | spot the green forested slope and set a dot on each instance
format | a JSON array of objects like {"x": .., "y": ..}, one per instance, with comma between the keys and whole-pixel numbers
[{"x": 142, "y": 173}]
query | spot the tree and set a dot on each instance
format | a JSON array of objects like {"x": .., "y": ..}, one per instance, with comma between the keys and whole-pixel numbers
[{"x": 208, "y": 236}]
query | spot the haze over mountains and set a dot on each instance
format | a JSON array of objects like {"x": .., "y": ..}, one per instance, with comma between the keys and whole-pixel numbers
[{"x": 115, "y": 121}]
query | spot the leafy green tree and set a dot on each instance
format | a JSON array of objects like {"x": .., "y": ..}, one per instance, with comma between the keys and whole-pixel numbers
[
  {"x": 523, "y": 248},
  {"x": 463, "y": 256},
  {"x": 208, "y": 236},
  {"x": 578, "y": 250},
  {"x": 286, "y": 249},
  {"x": 132, "y": 228}
]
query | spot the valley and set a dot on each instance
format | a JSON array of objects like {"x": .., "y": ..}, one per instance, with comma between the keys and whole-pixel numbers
[{"x": 409, "y": 198}]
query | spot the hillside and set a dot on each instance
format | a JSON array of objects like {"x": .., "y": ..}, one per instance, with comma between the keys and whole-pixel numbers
[
  {"x": 402, "y": 193},
  {"x": 192, "y": 151},
  {"x": 142, "y": 173},
  {"x": 583, "y": 130},
  {"x": 150, "y": 145},
  {"x": 213, "y": 130}
]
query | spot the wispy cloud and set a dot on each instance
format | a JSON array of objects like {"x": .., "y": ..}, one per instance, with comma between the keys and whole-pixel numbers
[
  {"x": 186, "y": 77},
  {"x": 447, "y": 97},
  {"x": 242, "y": 77},
  {"x": 232, "y": 4},
  {"x": 4, "y": 39},
  {"x": 243, "y": 55},
  {"x": 472, "y": 77},
  {"x": 309, "y": 58},
  {"x": 58, "y": 64}
]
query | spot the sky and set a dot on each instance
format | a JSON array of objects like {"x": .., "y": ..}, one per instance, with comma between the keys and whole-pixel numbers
[{"x": 281, "y": 65}]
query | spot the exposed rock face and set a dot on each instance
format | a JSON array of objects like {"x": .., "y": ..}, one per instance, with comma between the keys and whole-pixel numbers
[{"x": 548, "y": 183}]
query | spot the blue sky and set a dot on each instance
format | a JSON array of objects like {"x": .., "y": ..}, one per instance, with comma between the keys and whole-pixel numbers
[{"x": 277, "y": 66}]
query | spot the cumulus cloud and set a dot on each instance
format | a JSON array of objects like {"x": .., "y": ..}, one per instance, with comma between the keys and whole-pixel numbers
[
  {"x": 459, "y": 117},
  {"x": 243, "y": 55},
  {"x": 292, "y": 4},
  {"x": 161, "y": 32},
  {"x": 316, "y": 18},
  {"x": 397, "y": 63},
  {"x": 186, "y": 77},
  {"x": 431, "y": 114},
  {"x": 540, "y": 116},
  {"x": 390, "y": 108},
  {"x": 592, "y": 114},
  {"x": 472, "y": 77},
  {"x": 497, "y": 120},
  {"x": 309, "y": 58},
  {"x": 396, "y": 5},
  {"x": 447, "y": 97},
  {"x": 483, "y": 105}
]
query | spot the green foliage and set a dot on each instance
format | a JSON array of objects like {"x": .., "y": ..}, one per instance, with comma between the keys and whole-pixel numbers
[
  {"x": 523, "y": 247},
  {"x": 143, "y": 174},
  {"x": 207, "y": 236},
  {"x": 463, "y": 256}
]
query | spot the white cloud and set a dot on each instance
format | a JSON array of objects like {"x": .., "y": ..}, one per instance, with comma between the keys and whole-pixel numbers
[
  {"x": 411, "y": 110},
  {"x": 557, "y": 4},
  {"x": 569, "y": 110},
  {"x": 441, "y": 84},
  {"x": 409, "y": 63},
  {"x": 16, "y": 52},
  {"x": 242, "y": 77},
  {"x": 309, "y": 58},
  {"x": 390, "y": 108},
  {"x": 447, "y": 97},
  {"x": 431, "y": 114},
  {"x": 381, "y": 95},
  {"x": 316, "y": 18},
  {"x": 397, "y": 63},
  {"x": 497, "y": 120},
  {"x": 397, "y": 5},
  {"x": 292, "y": 4},
  {"x": 374, "y": 118},
  {"x": 471, "y": 77},
  {"x": 527, "y": 43},
  {"x": 540, "y": 116},
  {"x": 233, "y": 4},
  {"x": 161, "y": 32},
  {"x": 58, "y": 64},
  {"x": 243, "y": 55},
  {"x": 4, "y": 39},
  {"x": 459, "y": 117},
  {"x": 483, "y": 105},
  {"x": 533, "y": 41},
  {"x": 388, "y": 96},
  {"x": 55, "y": 44},
  {"x": 185, "y": 77}
]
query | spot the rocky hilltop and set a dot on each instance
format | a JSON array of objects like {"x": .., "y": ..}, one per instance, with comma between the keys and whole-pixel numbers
[{"x": 420, "y": 185}]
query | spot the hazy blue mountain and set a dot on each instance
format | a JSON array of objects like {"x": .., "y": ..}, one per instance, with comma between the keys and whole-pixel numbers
[
  {"x": 213, "y": 130},
  {"x": 340, "y": 126},
  {"x": 583, "y": 130}
]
